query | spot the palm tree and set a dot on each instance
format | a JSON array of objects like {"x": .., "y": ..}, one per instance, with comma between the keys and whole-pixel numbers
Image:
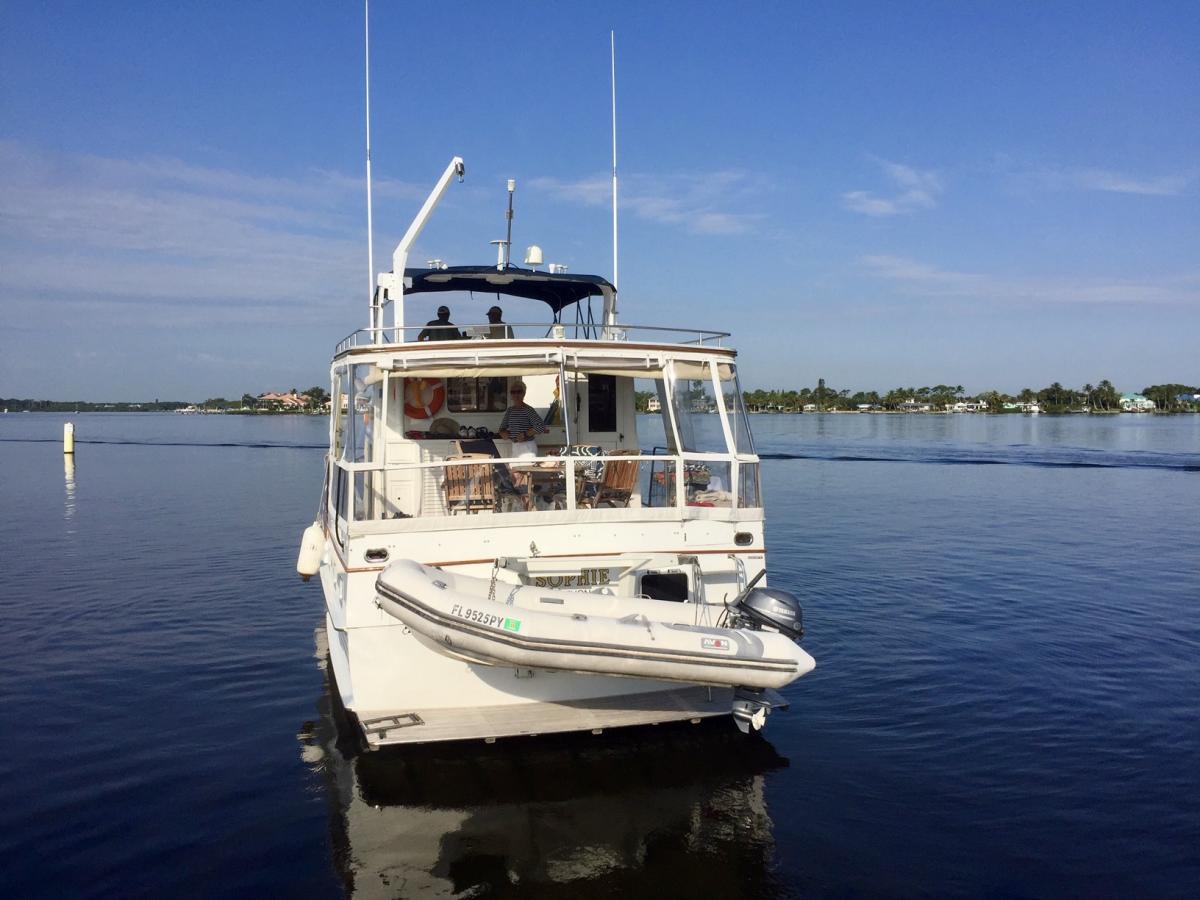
[{"x": 1107, "y": 395}]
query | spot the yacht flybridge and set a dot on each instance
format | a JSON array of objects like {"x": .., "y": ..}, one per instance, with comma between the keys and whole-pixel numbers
[{"x": 601, "y": 567}]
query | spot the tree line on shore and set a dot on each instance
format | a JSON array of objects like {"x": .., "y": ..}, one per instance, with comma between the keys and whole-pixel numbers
[
  {"x": 311, "y": 400},
  {"x": 1102, "y": 397}
]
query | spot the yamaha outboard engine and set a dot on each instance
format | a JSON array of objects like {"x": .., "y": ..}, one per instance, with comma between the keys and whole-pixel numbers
[
  {"x": 754, "y": 609},
  {"x": 768, "y": 607}
]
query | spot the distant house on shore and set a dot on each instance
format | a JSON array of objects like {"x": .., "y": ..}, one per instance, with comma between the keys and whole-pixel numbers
[
  {"x": 272, "y": 400},
  {"x": 1136, "y": 403},
  {"x": 653, "y": 405},
  {"x": 914, "y": 406},
  {"x": 966, "y": 406}
]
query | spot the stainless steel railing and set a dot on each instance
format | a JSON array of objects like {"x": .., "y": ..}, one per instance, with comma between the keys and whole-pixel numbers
[{"x": 540, "y": 331}]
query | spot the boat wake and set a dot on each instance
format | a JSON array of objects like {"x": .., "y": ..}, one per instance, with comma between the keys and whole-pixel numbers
[{"x": 1180, "y": 463}]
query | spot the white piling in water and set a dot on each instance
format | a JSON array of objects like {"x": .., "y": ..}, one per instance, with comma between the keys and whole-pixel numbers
[{"x": 68, "y": 437}]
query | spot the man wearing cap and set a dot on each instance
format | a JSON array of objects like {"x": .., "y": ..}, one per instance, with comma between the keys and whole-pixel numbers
[
  {"x": 441, "y": 328},
  {"x": 497, "y": 329}
]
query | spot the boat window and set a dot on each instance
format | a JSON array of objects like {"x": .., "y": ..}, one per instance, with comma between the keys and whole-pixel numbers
[
  {"x": 341, "y": 406},
  {"x": 341, "y": 503},
  {"x": 696, "y": 414},
  {"x": 749, "y": 493},
  {"x": 476, "y": 394},
  {"x": 602, "y": 403},
  {"x": 369, "y": 500},
  {"x": 366, "y": 397},
  {"x": 653, "y": 422},
  {"x": 672, "y": 586},
  {"x": 739, "y": 425}
]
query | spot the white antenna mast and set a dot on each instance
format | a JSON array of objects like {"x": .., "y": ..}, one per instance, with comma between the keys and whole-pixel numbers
[
  {"x": 376, "y": 319},
  {"x": 612, "y": 36}
]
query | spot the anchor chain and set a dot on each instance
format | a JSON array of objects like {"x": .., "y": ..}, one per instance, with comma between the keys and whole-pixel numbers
[{"x": 492, "y": 586}]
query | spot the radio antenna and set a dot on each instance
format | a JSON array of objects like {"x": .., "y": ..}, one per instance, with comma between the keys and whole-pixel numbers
[
  {"x": 612, "y": 37},
  {"x": 376, "y": 318}
]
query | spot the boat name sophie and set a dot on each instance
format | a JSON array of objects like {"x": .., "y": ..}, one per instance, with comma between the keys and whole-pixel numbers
[{"x": 585, "y": 578}]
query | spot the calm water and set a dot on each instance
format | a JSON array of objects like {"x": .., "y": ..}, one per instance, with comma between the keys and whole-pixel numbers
[{"x": 1005, "y": 612}]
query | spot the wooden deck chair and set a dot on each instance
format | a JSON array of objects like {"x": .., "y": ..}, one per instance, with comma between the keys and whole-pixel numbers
[
  {"x": 616, "y": 483},
  {"x": 502, "y": 475},
  {"x": 469, "y": 487}
]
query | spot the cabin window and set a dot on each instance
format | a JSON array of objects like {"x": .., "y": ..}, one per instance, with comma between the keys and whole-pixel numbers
[
  {"x": 651, "y": 400},
  {"x": 696, "y": 417},
  {"x": 341, "y": 407},
  {"x": 731, "y": 388},
  {"x": 749, "y": 493},
  {"x": 672, "y": 586},
  {"x": 602, "y": 403},
  {"x": 477, "y": 394},
  {"x": 365, "y": 401},
  {"x": 341, "y": 503}
]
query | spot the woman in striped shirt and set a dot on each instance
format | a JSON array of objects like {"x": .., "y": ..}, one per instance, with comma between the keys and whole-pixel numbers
[{"x": 521, "y": 423}]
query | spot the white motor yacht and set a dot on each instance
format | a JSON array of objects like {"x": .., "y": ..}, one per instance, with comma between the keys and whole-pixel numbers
[{"x": 610, "y": 574}]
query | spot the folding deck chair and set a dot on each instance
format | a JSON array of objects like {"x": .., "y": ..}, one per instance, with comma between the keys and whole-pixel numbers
[
  {"x": 470, "y": 487},
  {"x": 616, "y": 484}
]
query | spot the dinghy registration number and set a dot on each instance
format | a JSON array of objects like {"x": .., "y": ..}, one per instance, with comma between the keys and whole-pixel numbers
[{"x": 477, "y": 615}]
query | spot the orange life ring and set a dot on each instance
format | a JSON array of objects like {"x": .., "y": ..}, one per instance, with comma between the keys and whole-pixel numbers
[{"x": 415, "y": 404}]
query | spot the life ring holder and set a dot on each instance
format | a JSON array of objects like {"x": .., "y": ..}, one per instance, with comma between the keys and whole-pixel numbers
[{"x": 415, "y": 404}]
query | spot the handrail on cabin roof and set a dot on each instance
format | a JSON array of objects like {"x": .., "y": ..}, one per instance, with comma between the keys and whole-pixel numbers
[{"x": 691, "y": 337}]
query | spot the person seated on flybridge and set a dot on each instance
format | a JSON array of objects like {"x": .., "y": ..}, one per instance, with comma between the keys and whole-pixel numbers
[
  {"x": 441, "y": 328},
  {"x": 521, "y": 423},
  {"x": 497, "y": 330}
]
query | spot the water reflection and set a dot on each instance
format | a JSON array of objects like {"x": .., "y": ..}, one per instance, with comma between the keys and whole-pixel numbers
[
  {"x": 69, "y": 472},
  {"x": 677, "y": 811}
]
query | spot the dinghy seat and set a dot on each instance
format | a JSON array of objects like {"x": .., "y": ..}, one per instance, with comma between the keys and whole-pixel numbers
[
  {"x": 468, "y": 487},
  {"x": 616, "y": 482}
]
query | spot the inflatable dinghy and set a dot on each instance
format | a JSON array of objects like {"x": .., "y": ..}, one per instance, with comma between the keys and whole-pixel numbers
[{"x": 531, "y": 627}]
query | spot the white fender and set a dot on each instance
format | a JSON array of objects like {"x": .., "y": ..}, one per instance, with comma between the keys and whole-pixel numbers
[{"x": 312, "y": 543}]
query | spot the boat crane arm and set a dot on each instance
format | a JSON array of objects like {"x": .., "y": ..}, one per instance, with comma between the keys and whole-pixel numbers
[{"x": 391, "y": 284}]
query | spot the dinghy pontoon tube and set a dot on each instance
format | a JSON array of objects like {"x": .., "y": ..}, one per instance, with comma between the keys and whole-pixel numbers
[{"x": 602, "y": 634}]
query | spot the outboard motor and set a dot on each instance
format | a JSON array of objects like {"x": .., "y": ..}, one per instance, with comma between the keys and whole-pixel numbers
[
  {"x": 768, "y": 607},
  {"x": 754, "y": 609}
]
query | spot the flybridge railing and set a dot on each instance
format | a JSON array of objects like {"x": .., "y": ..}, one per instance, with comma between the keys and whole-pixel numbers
[{"x": 533, "y": 331}]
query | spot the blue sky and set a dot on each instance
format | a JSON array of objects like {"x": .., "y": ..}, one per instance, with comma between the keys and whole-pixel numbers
[{"x": 996, "y": 195}]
